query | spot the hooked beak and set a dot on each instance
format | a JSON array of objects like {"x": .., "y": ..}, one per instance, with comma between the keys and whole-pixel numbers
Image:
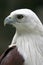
[{"x": 8, "y": 20}]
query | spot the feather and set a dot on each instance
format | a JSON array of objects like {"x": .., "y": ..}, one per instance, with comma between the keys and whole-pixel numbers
[{"x": 29, "y": 35}]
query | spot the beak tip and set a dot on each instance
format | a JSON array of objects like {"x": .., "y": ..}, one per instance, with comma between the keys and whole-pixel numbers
[
  {"x": 8, "y": 20},
  {"x": 5, "y": 22}
]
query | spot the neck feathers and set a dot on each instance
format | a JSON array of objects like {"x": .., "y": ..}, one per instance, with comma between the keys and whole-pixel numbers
[{"x": 29, "y": 47}]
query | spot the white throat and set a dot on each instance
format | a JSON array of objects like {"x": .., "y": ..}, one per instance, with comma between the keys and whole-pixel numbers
[{"x": 27, "y": 46}]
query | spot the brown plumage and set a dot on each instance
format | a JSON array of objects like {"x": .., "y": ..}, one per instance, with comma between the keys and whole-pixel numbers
[{"x": 11, "y": 57}]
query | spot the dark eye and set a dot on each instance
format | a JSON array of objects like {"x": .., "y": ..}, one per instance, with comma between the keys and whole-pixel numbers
[{"x": 19, "y": 16}]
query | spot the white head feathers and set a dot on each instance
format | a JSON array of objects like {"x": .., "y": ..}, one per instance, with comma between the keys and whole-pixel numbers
[{"x": 27, "y": 20}]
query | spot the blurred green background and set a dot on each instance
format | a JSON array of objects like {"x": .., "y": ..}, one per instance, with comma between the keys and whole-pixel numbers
[{"x": 7, "y": 6}]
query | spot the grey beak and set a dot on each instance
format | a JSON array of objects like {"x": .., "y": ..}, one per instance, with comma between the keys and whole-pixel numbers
[{"x": 8, "y": 20}]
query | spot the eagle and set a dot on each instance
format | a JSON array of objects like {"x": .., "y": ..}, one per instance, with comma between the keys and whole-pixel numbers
[{"x": 26, "y": 47}]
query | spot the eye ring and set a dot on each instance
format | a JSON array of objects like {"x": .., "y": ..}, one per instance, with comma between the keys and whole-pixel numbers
[{"x": 20, "y": 16}]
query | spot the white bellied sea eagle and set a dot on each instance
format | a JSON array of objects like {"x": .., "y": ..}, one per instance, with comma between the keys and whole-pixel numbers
[{"x": 27, "y": 44}]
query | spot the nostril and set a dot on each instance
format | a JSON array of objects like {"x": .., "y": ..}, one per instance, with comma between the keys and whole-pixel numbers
[{"x": 9, "y": 17}]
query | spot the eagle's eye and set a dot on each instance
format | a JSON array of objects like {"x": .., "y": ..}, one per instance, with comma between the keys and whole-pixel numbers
[{"x": 19, "y": 16}]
